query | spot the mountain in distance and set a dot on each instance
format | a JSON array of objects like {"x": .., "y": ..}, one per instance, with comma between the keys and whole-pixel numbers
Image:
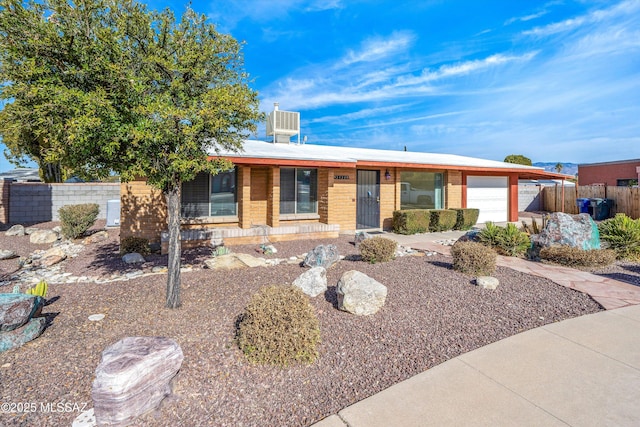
[{"x": 568, "y": 168}]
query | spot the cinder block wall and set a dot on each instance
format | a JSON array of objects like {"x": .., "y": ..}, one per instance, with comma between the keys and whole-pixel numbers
[
  {"x": 453, "y": 189},
  {"x": 39, "y": 202}
]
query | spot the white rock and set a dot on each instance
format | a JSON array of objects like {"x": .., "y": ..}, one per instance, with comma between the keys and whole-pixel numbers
[
  {"x": 313, "y": 282},
  {"x": 16, "y": 230},
  {"x": 7, "y": 254},
  {"x": 133, "y": 258},
  {"x": 360, "y": 294},
  {"x": 487, "y": 282},
  {"x": 41, "y": 237}
]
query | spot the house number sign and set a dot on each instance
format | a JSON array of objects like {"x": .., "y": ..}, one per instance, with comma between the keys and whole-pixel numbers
[{"x": 341, "y": 177}]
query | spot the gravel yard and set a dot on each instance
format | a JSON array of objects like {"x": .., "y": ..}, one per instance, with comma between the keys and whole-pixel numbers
[{"x": 432, "y": 314}]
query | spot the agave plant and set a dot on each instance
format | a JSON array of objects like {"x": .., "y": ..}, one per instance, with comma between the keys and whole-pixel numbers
[{"x": 622, "y": 234}]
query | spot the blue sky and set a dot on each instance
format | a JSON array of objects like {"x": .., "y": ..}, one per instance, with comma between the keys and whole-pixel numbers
[{"x": 555, "y": 81}]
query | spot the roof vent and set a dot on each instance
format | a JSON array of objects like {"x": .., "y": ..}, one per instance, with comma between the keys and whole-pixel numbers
[{"x": 282, "y": 125}]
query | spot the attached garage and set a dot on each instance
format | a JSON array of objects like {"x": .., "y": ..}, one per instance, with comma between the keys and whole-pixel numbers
[{"x": 490, "y": 194}]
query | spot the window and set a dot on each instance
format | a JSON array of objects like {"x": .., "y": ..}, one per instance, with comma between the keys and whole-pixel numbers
[
  {"x": 210, "y": 195},
  {"x": 627, "y": 182},
  {"x": 298, "y": 191},
  {"x": 421, "y": 190}
]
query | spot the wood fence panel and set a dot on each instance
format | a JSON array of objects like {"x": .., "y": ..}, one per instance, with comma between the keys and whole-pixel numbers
[{"x": 625, "y": 199}]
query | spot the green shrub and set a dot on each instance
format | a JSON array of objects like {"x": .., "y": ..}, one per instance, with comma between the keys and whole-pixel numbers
[
  {"x": 442, "y": 220},
  {"x": 378, "y": 249},
  {"x": 132, "y": 244},
  {"x": 489, "y": 234},
  {"x": 76, "y": 219},
  {"x": 278, "y": 327},
  {"x": 466, "y": 218},
  {"x": 507, "y": 240},
  {"x": 512, "y": 242},
  {"x": 411, "y": 221},
  {"x": 622, "y": 234},
  {"x": 473, "y": 258},
  {"x": 576, "y": 257}
]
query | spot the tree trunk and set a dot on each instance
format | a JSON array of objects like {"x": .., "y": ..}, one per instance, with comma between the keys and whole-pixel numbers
[
  {"x": 50, "y": 172},
  {"x": 173, "y": 216}
]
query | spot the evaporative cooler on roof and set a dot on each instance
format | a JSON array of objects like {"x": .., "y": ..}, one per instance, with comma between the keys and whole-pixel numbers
[{"x": 282, "y": 125}]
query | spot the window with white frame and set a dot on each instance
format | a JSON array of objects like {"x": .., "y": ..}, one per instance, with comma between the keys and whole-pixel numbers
[
  {"x": 210, "y": 195},
  {"x": 298, "y": 191}
]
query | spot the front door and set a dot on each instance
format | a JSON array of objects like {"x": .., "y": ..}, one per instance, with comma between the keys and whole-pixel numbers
[{"x": 368, "y": 204}]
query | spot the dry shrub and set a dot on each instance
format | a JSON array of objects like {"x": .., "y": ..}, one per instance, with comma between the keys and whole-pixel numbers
[
  {"x": 278, "y": 327},
  {"x": 378, "y": 249},
  {"x": 473, "y": 258},
  {"x": 75, "y": 220},
  {"x": 576, "y": 257},
  {"x": 132, "y": 244}
]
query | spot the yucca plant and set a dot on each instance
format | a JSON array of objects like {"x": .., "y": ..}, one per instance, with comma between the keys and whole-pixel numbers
[
  {"x": 488, "y": 236},
  {"x": 511, "y": 241},
  {"x": 622, "y": 234}
]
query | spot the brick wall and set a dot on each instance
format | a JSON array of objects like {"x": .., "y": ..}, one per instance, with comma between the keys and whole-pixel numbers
[
  {"x": 341, "y": 198},
  {"x": 388, "y": 202},
  {"x": 143, "y": 211},
  {"x": 607, "y": 174},
  {"x": 244, "y": 196},
  {"x": 273, "y": 197},
  {"x": 33, "y": 202},
  {"x": 259, "y": 182},
  {"x": 453, "y": 189},
  {"x": 5, "y": 186}
]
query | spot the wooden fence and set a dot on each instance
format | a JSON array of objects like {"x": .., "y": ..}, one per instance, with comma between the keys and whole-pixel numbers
[{"x": 625, "y": 199}]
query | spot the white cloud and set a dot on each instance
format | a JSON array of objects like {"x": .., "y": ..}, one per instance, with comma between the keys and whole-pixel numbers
[
  {"x": 526, "y": 17},
  {"x": 377, "y": 48}
]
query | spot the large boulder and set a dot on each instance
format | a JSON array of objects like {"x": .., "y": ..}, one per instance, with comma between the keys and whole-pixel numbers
[
  {"x": 360, "y": 294},
  {"x": 133, "y": 258},
  {"x": 579, "y": 231},
  {"x": 16, "y": 230},
  {"x": 233, "y": 261},
  {"x": 42, "y": 237},
  {"x": 25, "y": 333},
  {"x": 312, "y": 282},
  {"x": 17, "y": 309},
  {"x": 133, "y": 377},
  {"x": 322, "y": 256},
  {"x": 52, "y": 256}
]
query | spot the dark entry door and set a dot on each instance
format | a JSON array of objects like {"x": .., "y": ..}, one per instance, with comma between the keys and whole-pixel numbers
[{"x": 368, "y": 204}]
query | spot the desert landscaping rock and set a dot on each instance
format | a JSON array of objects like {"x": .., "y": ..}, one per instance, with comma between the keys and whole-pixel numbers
[
  {"x": 359, "y": 294},
  {"x": 22, "y": 335},
  {"x": 133, "y": 377},
  {"x": 17, "y": 309},
  {"x": 100, "y": 236},
  {"x": 322, "y": 256},
  {"x": 43, "y": 237},
  {"x": 487, "y": 282},
  {"x": 312, "y": 282},
  {"x": 360, "y": 237},
  {"x": 133, "y": 258},
  {"x": 16, "y": 230},
  {"x": 233, "y": 261},
  {"x": 6, "y": 254},
  {"x": 579, "y": 231}
]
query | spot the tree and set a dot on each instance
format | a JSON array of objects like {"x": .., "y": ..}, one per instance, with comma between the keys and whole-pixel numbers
[
  {"x": 518, "y": 159},
  {"x": 134, "y": 91},
  {"x": 559, "y": 167}
]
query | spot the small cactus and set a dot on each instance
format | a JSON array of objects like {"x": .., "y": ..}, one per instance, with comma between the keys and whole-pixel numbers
[
  {"x": 16, "y": 289},
  {"x": 39, "y": 290}
]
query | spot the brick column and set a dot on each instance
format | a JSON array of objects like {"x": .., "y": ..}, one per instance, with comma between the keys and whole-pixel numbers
[
  {"x": 513, "y": 197},
  {"x": 244, "y": 196},
  {"x": 5, "y": 186},
  {"x": 638, "y": 172},
  {"x": 273, "y": 197}
]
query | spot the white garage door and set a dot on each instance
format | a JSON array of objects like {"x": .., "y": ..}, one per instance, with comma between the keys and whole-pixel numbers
[{"x": 490, "y": 194}]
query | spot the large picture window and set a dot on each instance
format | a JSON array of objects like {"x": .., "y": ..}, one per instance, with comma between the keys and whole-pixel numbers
[
  {"x": 298, "y": 191},
  {"x": 210, "y": 195},
  {"x": 421, "y": 190}
]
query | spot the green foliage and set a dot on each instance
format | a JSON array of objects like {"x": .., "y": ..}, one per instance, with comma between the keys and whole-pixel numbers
[
  {"x": 466, "y": 218},
  {"x": 489, "y": 234},
  {"x": 278, "y": 327},
  {"x": 575, "y": 257},
  {"x": 518, "y": 159},
  {"x": 623, "y": 235},
  {"x": 77, "y": 219},
  {"x": 473, "y": 258},
  {"x": 131, "y": 244},
  {"x": 512, "y": 242},
  {"x": 39, "y": 290},
  {"x": 442, "y": 219},
  {"x": 507, "y": 240},
  {"x": 378, "y": 249},
  {"x": 411, "y": 221}
]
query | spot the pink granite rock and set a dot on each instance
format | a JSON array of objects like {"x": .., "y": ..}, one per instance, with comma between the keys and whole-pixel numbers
[{"x": 133, "y": 377}]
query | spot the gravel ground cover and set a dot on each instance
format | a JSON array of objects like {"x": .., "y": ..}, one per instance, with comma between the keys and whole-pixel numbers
[{"x": 432, "y": 314}]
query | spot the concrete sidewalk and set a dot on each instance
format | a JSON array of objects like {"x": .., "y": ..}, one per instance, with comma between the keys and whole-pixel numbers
[{"x": 579, "y": 372}]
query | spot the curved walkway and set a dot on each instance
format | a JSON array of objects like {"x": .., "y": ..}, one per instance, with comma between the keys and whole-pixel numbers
[{"x": 579, "y": 372}]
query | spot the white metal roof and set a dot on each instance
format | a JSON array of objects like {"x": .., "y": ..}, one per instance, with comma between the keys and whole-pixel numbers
[{"x": 327, "y": 153}]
